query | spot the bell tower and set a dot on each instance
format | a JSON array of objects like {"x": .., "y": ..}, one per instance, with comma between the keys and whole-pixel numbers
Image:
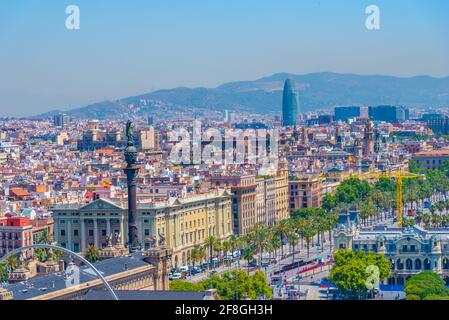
[{"x": 368, "y": 139}]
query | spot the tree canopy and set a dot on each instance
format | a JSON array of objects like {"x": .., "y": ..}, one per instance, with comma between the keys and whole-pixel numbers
[
  {"x": 351, "y": 271},
  {"x": 426, "y": 285},
  {"x": 232, "y": 285}
]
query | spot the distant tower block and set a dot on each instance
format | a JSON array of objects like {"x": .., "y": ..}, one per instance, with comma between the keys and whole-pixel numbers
[{"x": 290, "y": 105}]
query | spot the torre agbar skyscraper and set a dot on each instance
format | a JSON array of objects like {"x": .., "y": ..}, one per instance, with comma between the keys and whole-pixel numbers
[{"x": 290, "y": 104}]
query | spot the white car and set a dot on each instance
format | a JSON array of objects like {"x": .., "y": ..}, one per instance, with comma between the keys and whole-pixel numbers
[
  {"x": 175, "y": 276},
  {"x": 184, "y": 269}
]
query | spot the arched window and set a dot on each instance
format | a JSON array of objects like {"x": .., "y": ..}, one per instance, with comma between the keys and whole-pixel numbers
[
  {"x": 446, "y": 263},
  {"x": 399, "y": 264},
  {"x": 418, "y": 265},
  {"x": 427, "y": 265},
  {"x": 409, "y": 264}
]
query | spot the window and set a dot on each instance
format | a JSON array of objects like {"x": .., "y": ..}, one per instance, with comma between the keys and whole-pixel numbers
[
  {"x": 62, "y": 233},
  {"x": 147, "y": 232},
  {"x": 91, "y": 233},
  {"x": 75, "y": 232}
]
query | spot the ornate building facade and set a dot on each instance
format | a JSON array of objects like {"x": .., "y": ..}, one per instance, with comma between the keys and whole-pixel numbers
[
  {"x": 179, "y": 223},
  {"x": 410, "y": 250}
]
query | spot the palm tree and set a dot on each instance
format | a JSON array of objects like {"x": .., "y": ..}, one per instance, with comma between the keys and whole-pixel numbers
[
  {"x": 196, "y": 255},
  {"x": 239, "y": 244},
  {"x": 292, "y": 237},
  {"x": 281, "y": 230},
  {"x": 233, "y": 243},
  {"x": 12, "y": 263},
  {"x": 261, "y": 234},
  {"x": 274, "y": 244},
  {"x": 308, "y": 230},
  {"x": 248, "y": 255},
  {"x": 226, "y": 245},
  {"x": 209, "y": 242},
  {"x": 218, "y": 247},
  {"x": 92, "y": 254},
  {"x": 331, "y": 222}
]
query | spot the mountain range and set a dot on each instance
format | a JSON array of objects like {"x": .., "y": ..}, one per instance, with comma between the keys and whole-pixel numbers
[{"x": 264, "y": 96}]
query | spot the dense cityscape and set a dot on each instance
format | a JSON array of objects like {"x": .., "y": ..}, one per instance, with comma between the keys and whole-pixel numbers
[
  {"x": 218, "y": 159},
  {"x": 352, "y": 188}
]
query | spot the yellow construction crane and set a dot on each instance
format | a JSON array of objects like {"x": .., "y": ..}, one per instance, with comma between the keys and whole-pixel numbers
[{"x": 398, "y": 175}]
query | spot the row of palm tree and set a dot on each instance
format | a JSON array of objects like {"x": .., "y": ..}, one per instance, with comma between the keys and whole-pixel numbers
[{"x": 302, "y": 227}]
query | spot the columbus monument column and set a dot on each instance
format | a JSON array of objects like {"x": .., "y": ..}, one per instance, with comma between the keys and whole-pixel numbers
[{"x": 131, "y": 171}]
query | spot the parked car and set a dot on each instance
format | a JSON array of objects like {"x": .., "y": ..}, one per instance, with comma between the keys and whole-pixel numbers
[
  {"x": 196, "y": 270},
  {"x": 174, "y": 276},
  {"x": 212, "y": 272},
  {"x": 184, "y": 269}
]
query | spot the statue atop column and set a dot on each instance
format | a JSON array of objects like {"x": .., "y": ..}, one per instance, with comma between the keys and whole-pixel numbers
[
  {"x": 131, "y": 172},
  {"x": 129, "y": 133},
  {"x": 130, "y": 151}
]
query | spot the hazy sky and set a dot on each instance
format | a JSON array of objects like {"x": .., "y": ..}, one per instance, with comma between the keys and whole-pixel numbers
[{"x": 127, "y": 47}]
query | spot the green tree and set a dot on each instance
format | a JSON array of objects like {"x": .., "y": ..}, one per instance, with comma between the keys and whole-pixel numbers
[
  {"x": 329, "y": 202},
  {"x": 179, "y": 285},
  {"x": 3, "y": 272},
  {"x": 237, "y": 285},
  {"x": 260, "y": 286},
  {"x": 426, "y": 285},
  {"x": 196, "y": 255},
  {"x": 248, "y": 255},
  {"x": 350, "y": 274},
  {"x": 209, "y": 242}
]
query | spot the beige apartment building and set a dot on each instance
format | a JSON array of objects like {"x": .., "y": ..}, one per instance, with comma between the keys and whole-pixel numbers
[
  {"x": 256, "y": 200},
  {"x": 243, "y": 189},
  {"x": 179, "y": 224},
  {"x": 432, "y": 159},
  {"x": 306, "y": 192},
  {"x": 149, "y": 140}
]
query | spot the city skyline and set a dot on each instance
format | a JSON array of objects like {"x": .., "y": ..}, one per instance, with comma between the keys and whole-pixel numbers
[{"x": 126, "y": 49}]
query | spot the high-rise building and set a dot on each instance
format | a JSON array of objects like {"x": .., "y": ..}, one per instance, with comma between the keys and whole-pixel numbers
[
  {"x": 440, "y": 126},
  {"x": 347, "y": 112},
  {"x": 389, "y": 114},
  {"x": 60, "y": 120},
  {"x": 148, "y": 139},
  {"x": 290, "y": 104}
]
